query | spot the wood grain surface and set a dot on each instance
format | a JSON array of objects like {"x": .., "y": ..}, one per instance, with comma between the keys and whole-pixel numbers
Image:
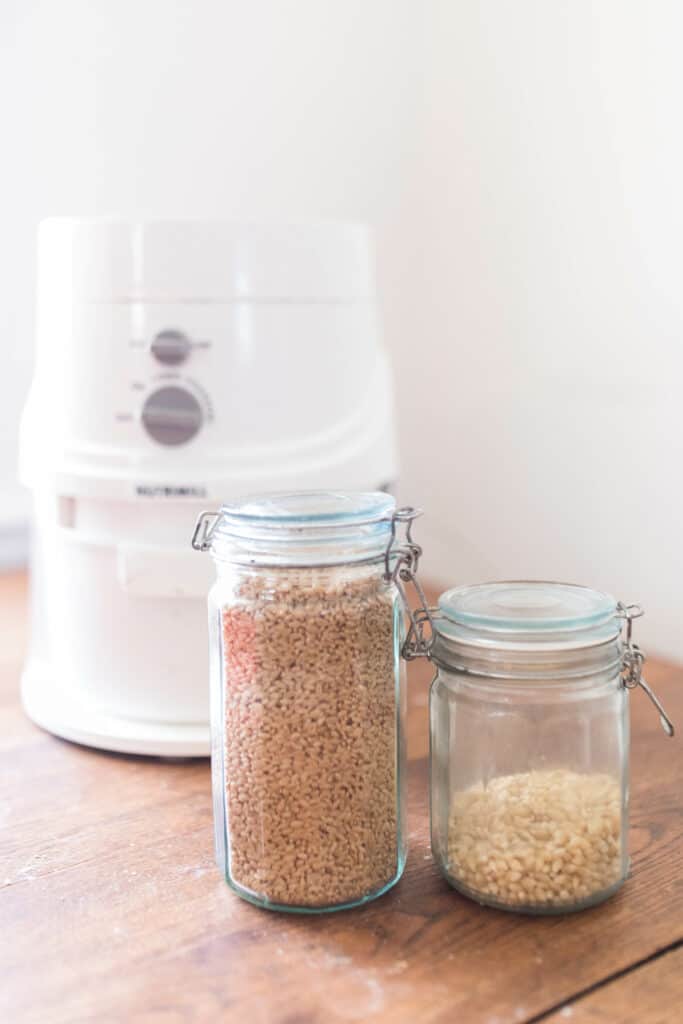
[
  {"x": 649, "y": 994},
  {"x": 111, "y": 909}
]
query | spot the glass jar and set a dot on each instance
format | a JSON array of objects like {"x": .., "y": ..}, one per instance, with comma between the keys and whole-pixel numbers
[
  {"x": 307, "y": 699},
  {"x": 530, "y": 742}
]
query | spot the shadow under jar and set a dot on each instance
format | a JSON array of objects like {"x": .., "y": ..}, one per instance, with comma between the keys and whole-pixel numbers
[
  {"x": 529, "y": 745},
  {"x": 307, "y": 700}
]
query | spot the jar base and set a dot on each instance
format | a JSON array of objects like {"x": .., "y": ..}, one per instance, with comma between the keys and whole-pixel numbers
[
  {"x": 288, "y": 908},
  {"x": 535, "y": 909}
]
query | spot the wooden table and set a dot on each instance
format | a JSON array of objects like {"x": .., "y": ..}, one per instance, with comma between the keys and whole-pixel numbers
[{"x": 111, "y": 909}]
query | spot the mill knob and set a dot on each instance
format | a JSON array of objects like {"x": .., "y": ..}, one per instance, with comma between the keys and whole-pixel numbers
[
  {"x": 172, "y": 415},
  {"x": 171, "y": 347}
]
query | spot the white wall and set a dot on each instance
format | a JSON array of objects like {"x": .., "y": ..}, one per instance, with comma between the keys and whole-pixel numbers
[
  {"x": 522, "y": 162},
  {"x": 16, "y": 245},
  {"x": 537, "y": 314}
]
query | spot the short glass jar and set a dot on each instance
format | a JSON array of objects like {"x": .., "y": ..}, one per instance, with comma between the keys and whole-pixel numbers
[
  {"x": 529, "y": 745},
  {"x": 307, "y": 699}
]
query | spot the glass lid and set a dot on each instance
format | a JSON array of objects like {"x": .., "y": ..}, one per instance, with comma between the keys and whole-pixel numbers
[
  {"x": 308, "y": 508},
  {"x": 533, "y": 612},
  {"x": 527, "y": 606},
  {"x": 304, "y": 528}
]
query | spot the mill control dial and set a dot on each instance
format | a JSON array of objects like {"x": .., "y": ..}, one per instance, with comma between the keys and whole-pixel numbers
[
  {"x": 172, "y": 415},
  {"x": 170, "y": 347}
]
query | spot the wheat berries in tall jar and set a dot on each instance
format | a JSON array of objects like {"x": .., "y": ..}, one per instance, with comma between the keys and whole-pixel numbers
[
  {"x": 307, "y": 698},
  {"x": 530, "y": 743}
]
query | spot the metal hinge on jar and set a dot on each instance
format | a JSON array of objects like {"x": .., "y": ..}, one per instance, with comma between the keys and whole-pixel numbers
[
  {"x": 632, "y": 661},
  {"x": 204, "y": 527},
  {"x": 401, "y": 560}
]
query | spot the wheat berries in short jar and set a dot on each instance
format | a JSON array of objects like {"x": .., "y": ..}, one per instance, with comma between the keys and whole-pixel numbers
[
  {"x": 530, "y": 743},
  {"x": 307, "y": 699}
]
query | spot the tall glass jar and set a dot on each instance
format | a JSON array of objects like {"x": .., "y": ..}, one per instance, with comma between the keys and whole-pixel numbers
[
  {"x": 307, "y": 699},
  {"x": 529, "y": 745}
]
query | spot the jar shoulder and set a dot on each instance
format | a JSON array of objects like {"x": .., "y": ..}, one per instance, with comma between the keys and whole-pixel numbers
[
  {"x": 453, "y": 684},
  {"x": 329, "y": 584}
]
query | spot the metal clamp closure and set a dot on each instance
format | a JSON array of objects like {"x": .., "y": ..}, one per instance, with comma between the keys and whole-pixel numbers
[
  {"x": 632, "y": 661},
  {"x": 401, "y": 560},
  {"x": 204, "y": 527}
]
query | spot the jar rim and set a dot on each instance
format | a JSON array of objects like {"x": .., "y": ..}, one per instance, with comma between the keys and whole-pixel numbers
[
  {"x": 310, "y": 508},
  {"x": 528, "y": 615},
  {"x": 304, "y": 528},
  {"x": 520, "y": 628}
]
